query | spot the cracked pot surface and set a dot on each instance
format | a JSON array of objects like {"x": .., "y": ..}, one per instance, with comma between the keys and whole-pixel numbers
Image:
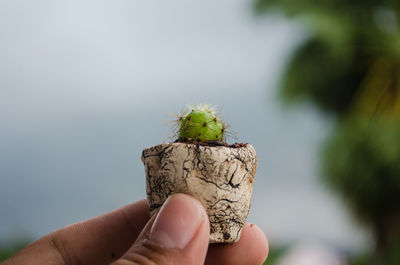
[{"x": 220, "y": 177}]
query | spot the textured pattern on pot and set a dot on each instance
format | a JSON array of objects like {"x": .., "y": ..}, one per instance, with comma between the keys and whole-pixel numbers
[{"x": 220, "y": 177}]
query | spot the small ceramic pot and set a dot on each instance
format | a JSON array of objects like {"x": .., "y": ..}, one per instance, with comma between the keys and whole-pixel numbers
[{"x": 220, "y": 177}]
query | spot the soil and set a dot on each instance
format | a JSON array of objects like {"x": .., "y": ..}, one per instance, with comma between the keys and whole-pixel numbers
[{"x": 213, "y": 143}]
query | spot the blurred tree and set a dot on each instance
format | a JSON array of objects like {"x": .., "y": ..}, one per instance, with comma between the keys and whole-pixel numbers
[
  {"x": 349, "y": 67},
  {"x": 362, "y": 161}
]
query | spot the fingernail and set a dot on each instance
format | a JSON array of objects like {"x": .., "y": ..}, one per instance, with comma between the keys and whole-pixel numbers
[{"x": 177, "y": 221}]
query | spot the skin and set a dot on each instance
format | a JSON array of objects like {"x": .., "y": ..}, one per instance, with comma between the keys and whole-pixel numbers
[{"x": 126, "y": 237}]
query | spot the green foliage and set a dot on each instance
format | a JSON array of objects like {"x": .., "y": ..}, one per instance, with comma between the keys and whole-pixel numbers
[
  {"x": 350, "y": 67},
  {"x": 346, "y": 39},
  {"x": 294, "y": 8},
  {"x": 361, "y": 162},
  {"x": 360, "y": 260},
  {"x": 317, "y": 74},
  {"x": 393, "y": 258},
  {"x": 201, "y": 124}
]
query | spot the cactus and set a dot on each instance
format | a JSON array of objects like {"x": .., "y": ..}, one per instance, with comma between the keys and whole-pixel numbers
[
  {"x": 188, "y": 165},
  {"x": 201, "y": 124}
]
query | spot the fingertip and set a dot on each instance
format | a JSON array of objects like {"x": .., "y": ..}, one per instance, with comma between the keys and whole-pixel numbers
[
  {"x": 251, "y": 249},
  {"x": 177, "y": 234},
  {"x": 177, "y": 222},
  {"x": 253, "y": 233}
]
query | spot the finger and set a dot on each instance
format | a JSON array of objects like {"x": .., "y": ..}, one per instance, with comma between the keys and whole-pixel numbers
[
  {"x": 251, "y": 249},
  {"x": 99, "y": 240},
  {"x": 105, "y": 238},
  {"x": 178, "y": 235}
]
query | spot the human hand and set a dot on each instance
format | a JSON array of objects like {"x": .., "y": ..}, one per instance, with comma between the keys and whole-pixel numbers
[{"x": 178, "y": 234}]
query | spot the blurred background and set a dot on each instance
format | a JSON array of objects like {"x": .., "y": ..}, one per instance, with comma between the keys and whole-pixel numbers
[{"x": 313, "y": 85}]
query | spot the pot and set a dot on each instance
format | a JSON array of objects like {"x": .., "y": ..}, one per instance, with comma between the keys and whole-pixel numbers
[{"x": 220, "y": 177}]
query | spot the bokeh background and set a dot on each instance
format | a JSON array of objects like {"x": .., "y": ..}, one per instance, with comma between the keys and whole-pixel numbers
[{"x": 313, "y": 85}]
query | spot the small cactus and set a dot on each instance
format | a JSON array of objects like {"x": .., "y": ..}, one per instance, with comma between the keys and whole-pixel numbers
[{"x": 201, "y": 124}]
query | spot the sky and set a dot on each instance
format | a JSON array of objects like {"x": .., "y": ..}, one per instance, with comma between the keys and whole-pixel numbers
[{"x": 85, "y": 86}]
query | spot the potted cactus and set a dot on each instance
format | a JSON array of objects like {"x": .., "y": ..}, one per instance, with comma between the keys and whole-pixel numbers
[{"x": 201, "y": 164}]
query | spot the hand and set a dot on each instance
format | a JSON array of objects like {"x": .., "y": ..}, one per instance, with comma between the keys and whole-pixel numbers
[{"x": 177, "y": 234}]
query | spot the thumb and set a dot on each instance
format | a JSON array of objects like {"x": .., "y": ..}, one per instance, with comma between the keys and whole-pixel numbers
[{"x": 178, "y": 235}]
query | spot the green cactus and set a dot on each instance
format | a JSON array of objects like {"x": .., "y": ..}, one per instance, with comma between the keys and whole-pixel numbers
[{"x": 201, "y": 124}]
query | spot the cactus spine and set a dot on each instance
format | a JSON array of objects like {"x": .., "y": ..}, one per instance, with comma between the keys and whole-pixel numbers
[{"x": 201, "y": 124}]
